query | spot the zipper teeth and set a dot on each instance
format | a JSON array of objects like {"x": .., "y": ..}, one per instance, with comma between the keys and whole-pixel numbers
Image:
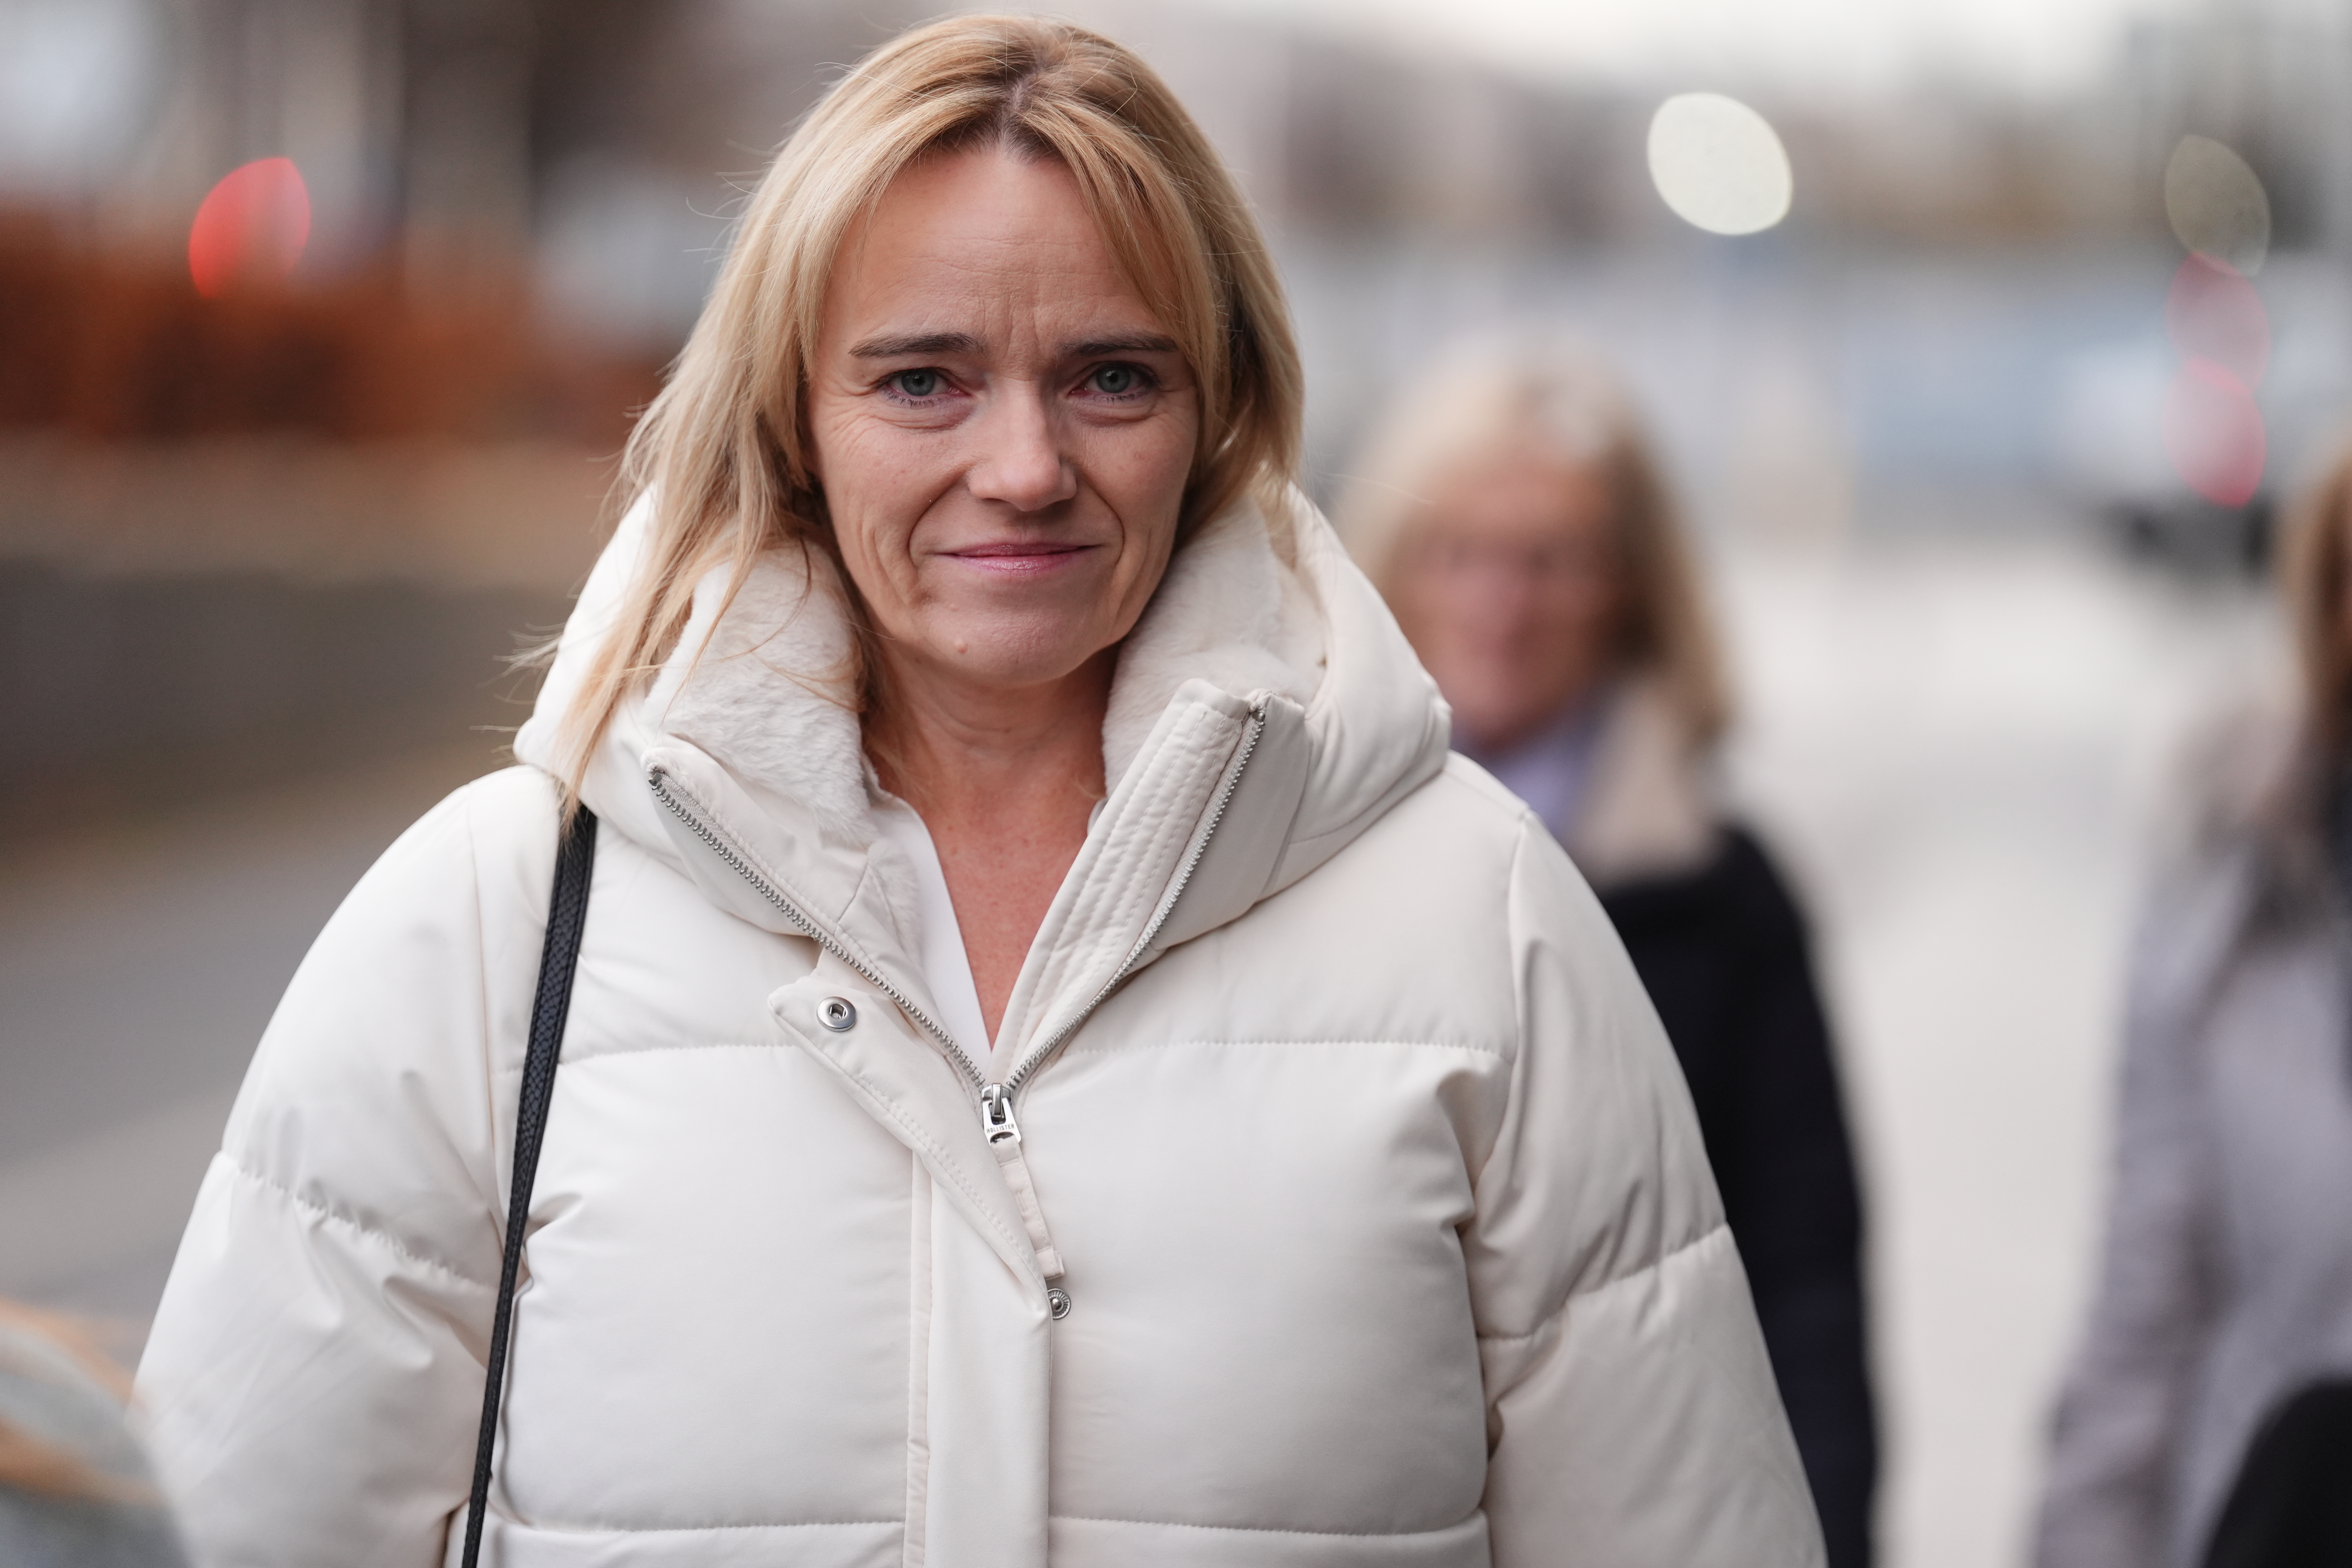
[
  {"x": 1013, "y": 1079},
  {"x": 791, "y": 911}
]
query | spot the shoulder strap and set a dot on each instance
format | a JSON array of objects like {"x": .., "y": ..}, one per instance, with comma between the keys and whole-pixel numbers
[{"x": 567, "y": 913}]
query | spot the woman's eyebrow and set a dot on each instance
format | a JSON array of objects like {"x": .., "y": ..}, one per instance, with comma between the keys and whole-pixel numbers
[
  {"x": 917, "y": 343},
  {"x": 965, "y": 343},
  {"x": 1136, "y": 343}
]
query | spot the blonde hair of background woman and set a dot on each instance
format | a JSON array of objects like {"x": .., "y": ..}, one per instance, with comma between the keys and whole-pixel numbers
[
  {"x": 723, "y": 449},
  {"x": 1556, "y": 401}
]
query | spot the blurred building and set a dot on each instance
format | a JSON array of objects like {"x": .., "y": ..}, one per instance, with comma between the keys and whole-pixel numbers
[
  {"x": 594, "y": 150},
  {"x": 517, "y": 206},
  {"x": 443, "y": 128}
]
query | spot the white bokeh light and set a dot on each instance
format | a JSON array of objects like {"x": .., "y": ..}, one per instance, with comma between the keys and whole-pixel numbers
[
  {"x": 2217, "y": 205},
  {"x": 1719, "y": 164}
]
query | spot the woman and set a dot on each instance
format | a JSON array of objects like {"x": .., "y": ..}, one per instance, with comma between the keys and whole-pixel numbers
[
  {"x": 1062, "y": 1067},
  {"x": 2227, "y": 1281},
  {"x": 1512, "y": 515}
]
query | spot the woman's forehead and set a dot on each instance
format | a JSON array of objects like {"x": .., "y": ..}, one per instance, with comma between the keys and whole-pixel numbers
[
  {"x": 1523, "y": 484},
  {"x": 985, "y": 251}
]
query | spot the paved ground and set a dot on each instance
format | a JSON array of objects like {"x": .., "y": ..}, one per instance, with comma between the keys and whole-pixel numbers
[
  {"x": 1956, "y": 749},
  {"x": 1964, "y": 752}
]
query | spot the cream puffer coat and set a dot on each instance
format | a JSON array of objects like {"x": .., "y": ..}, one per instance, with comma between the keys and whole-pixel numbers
[{"x": 1344, "y": 1125}]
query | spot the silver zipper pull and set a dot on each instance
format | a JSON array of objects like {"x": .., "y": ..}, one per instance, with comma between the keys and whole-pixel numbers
[{"x": 996, "y": 1122}]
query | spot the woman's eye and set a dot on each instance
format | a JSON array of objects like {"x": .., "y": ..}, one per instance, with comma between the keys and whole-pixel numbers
[
  {"x": 1117, "y": 379},
  {"x": 919, "y": 383}
]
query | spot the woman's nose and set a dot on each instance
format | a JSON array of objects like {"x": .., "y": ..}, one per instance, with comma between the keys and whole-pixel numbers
[
  {"x": 1490, "y": 589},
  {"x": 1021, "y": 463}
]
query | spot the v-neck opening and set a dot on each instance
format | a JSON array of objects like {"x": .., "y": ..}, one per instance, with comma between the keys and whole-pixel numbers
[{"x": 946, "y": 965}]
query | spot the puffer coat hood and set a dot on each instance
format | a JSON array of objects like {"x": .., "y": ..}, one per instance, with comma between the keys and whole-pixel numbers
[{"x": 1353, "y": 1212}]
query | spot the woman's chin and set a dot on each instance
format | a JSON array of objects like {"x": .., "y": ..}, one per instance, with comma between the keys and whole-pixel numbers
[{"x": 1013, "y": 653}]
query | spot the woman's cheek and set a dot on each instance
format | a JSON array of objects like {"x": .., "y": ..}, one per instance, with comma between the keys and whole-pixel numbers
[
  {"x": 1151, "y": 471},
  {"x": 876, "y": 486}
]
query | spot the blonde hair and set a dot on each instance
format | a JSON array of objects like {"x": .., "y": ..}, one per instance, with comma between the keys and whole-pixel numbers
[
  {"x": 723, "y": 449},
  {"x": 1556, "y": 402}
]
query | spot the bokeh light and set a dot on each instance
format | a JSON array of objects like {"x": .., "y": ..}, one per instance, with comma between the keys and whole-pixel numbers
[
  {"x": 2213, "y": 433},
  {"x": 251, "y": 227},
  {"x": 2212, "y": 312},
  {"x": 2216, "y": 203},
  {"x": 2213, "y": 430},
  {"x": 1719, "y": 164}
]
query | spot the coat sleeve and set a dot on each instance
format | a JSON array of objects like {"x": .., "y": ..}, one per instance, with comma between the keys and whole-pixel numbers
[
  {"x": 314, "y": 1378},
  {"x": 2112, "y": 1459},
  {"x": 1778, "y": 1142},
  {"x": 1633, "y": 1418}
]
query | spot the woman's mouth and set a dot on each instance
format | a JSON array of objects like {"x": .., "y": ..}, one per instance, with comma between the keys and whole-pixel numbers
[{"x": 1020, "y": 557}]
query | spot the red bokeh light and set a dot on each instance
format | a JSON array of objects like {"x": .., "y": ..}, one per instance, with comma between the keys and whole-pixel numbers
[
  {"x": 2213, "y": 433},
  {"x": 251, "y": 228},
  {"x": 2212, "y": 312},
  {"x": 2213, "y": 430}
]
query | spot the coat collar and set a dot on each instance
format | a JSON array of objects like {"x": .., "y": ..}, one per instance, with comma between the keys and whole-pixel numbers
[{"x": 1650, "y": 809}]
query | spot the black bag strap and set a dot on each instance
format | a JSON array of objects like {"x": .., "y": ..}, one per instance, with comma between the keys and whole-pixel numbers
[{"x": 567, "y": 913}]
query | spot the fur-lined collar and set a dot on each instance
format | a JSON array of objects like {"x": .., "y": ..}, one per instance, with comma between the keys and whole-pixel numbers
[
  {"x": 766, "y": 686},
  {"x": 1650, "y": 809},
  {"x": 1248, "y": 614}
]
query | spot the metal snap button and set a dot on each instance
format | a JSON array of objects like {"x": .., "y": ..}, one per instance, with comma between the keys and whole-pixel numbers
[
  {"x": 1057, "y": 1301},
  {"x": 835, "y": 1014}
]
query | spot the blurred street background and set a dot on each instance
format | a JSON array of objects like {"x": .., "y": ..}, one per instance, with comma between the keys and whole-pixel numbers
[{"x": 280, "y": 495}]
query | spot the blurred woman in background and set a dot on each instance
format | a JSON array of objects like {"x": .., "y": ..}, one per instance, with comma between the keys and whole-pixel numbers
[
  {"x": 1511, "y": 514},
  {"x": 2226, "y": 1287}
]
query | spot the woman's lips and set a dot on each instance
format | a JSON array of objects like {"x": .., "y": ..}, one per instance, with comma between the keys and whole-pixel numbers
[{"x": 1020, "y": 557}]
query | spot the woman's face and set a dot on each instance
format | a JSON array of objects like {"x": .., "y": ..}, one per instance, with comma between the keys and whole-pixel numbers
[
  {"x": 1001, "y": 427},
  {"x": 1509, "y": 589}
]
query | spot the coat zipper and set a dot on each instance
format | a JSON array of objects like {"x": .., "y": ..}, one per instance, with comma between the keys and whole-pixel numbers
[
  {"x": 1036, "y": 1058},
  {"x": 997, "y": 1123},
  {"x": 809, "y": 928},
  {"x": 996, "y": 1118}
]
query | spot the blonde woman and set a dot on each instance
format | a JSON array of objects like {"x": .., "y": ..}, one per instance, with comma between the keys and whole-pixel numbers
[
  {"x": 2226, "y": 1284},
  {"x": 1062, "y": 1067},
  {"x": 1511, "y": 512}
]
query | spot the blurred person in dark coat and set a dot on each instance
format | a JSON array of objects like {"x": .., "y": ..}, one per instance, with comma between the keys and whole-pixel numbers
[
  {"x": 75, "y": 1489},
  {"x": 2226, "y": 1284},
  {"x": 1513, "y": 518}
]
